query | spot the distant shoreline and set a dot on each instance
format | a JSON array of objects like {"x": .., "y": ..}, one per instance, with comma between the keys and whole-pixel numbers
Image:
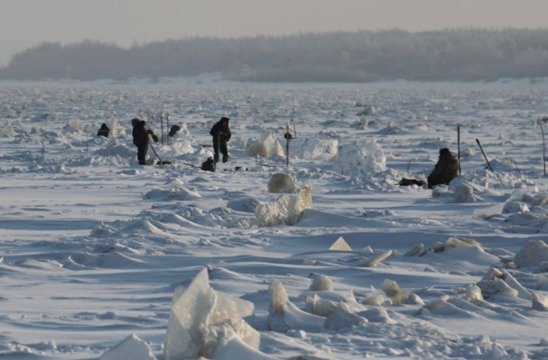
[{"x": 467, "y": 55}]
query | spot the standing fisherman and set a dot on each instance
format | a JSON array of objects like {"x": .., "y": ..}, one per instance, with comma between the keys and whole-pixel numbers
[
  {"x": 141, "y": 139},
  {"x": 221, "y": 135}
]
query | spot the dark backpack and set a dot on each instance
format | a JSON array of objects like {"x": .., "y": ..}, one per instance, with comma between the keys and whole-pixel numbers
[{"x": 209, "y": 164}]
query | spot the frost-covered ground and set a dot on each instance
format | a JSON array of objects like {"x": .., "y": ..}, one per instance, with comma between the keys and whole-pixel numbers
[{"x": 94, "y": 246}]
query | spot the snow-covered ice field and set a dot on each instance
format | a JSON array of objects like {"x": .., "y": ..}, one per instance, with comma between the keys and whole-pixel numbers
[{"x": 93, "y": 246}]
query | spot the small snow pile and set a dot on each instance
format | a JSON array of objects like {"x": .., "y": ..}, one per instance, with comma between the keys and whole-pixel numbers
[
  {"x": 367, "y": 110},
  {"x": 7, "y": 130},
  {"x": 321, "y": 282},
  {"x": 284, "y": 315},
  {"x": 396, "y": 294},
  {"x": 201, "y": 320},
  {"x": 102, "y": 231},
  {"x": 282, "y": 184},
  {"x": 525, "y": 210},
  {"x": 494, "y": 285},
  {"x": 287, "y": 209},
  {"x": 533, "y": 254},
  {"x": 539, "y": 302},
  {"x": 313, "y": 148},
  {"x": 116, "y": 131},
  {"x": 376, "y": 261},
  {"x": 473, "y": 293},
  {"x": 74, "y": 125},
  {"x": 172, "y": 194},
  {"x": 459, "y": 191},
  {"x": 131, "y": 348},
  {"x": 245, "y": 204},
  {"x": 115, "y": 148},
  {"x": 340, "y": 245},
  {"x": 360, "y": 159},
  {"x": 417, "y": 250},
  {"x": 454, "y": 242},
  {"x": 391, "y": 129},
  {"x": 343, "y": 318},
  {"x": 235, "y": 349},
  {"x": 266, "y": 147},
  {"x": 377, "y": 315},
  {"x": 377, "y": 299},
  {"x": 318, "y": 306},
  {"x": 515, "y": 207}
]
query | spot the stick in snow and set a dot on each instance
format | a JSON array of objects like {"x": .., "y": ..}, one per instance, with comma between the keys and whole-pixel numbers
[{"x": 487, "y": 161}]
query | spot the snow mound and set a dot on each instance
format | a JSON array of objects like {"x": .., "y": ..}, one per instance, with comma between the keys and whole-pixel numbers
[
  {"x": 377, "y": 315},
  {"x": 236, "y": 349},
  {"x": 201, "y": 319},
  {"x": 391, "y": 129},
  {"x": 396, "y": 294},
  {"x": 313, "y": 148},
  {"x": 515, "y": 207},
  {"x": 377, "y": 299},
  {"x": 287, "y": 209},
  {"x": 266, "y": 147},
  {"x": 321, "y": 282},
  {"x": 171, "y": 194},
  {"x": 455, "y": 243},
  {"x": 131, "y": 348},
  {"x": 115, "y": 148},
  {"x": 342, "y": 318},
  {"x": 534, "y": 253},
  {"x": 245, "y": 204},
  {"x": 459, "y": 191},
  {"x": 498, "y": 283},
  {"x": 284, "y": 315},
  {"x": 282, "y": 184},
  {"x": 376, "y": 261},
  {"x": 318, "y": 306},
  {"x": 7, "y": 130},
  {"x": 74, "y": 125},
  {"x": 360, "y": 159},
  {"x": 340, "y": 245},
  {"x": 539, "y": 302}
]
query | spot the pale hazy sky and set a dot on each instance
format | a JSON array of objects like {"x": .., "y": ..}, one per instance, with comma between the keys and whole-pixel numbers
[{"x": 26, "y": 23}]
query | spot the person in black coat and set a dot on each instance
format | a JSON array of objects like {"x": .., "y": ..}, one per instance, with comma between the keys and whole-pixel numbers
[
  {"x": 221, "y": 135},
  {"x": 446, "y": 169},
  {"x": 103, "y": 131},
  {"x": 141, "y": 139}
]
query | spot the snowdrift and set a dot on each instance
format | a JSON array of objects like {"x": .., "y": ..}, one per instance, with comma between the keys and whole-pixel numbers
[{"x": 287, "y": 209}]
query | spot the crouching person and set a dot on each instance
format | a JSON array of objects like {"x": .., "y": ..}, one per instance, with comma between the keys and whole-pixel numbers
[
  {"x": 103, "y": 130},
  {"x": 141, "y": 139},
  {"x": 446, "y": 169}
]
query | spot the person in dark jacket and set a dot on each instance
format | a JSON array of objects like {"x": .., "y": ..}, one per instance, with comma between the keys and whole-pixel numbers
[
  {"x": 221, "y": 135},
  {"x": 103, "y": 130},
  {"x": 141, "y": 139},
  {"x": 174, "y": 129},
  {"x": 446, "y": 169}
]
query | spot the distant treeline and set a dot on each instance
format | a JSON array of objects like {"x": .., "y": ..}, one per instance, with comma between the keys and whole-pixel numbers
[{"x": 462, "y": 55}]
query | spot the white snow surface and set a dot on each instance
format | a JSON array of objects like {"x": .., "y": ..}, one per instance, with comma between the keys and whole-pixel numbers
[{"x": 94, "y": 247}]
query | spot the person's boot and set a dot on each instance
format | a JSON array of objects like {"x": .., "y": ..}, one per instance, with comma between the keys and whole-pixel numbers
[
  {"x": 225, "y": 158},
  {"x": 216, "y": 158}
]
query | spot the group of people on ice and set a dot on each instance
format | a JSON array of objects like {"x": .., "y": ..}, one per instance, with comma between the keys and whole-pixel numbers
[
  {"x": 445, "y": 170},
  {"x": 220, "y": 133}
]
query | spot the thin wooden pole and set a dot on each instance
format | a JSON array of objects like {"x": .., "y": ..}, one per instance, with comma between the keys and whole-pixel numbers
[
  {"x": 543, "y": 147},
  {"x": 487, "y": 161},
  {"x": 458, "y": 147}
]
